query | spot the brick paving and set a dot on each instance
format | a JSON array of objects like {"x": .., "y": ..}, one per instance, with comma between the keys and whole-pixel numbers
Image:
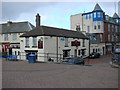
[{"x": 95, "y": 74}]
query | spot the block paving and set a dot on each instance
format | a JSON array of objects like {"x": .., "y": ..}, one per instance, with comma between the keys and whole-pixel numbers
[{"x": 96, "y": 73}]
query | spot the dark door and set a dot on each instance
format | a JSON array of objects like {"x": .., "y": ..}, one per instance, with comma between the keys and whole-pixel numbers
[
  {"x": 75, "y": 53},
  {"x": 10, "y": 51},
  {"x": 103, "y": 51},
  {"x": 66, "y": 53}
]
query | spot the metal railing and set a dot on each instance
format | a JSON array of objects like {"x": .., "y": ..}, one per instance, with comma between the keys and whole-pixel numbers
[{"x": 47, "y": 56}]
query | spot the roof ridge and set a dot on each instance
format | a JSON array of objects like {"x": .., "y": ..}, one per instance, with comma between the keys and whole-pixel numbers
[
  {"x": 42, "y": 30},
  {"x": 15, "y": 22}
]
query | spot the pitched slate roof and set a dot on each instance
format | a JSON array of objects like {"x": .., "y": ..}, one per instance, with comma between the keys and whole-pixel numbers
[
  {"x": 15, "y": 27},
  {"x": 93, "y": 38},
  {"x": 97, "y": 7},
  {"x": 115, "y": 15},
  {"x": 52, "y": 31}
]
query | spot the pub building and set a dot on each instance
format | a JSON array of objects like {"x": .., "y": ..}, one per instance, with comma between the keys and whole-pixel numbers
[{"x": 51, "y": 42}]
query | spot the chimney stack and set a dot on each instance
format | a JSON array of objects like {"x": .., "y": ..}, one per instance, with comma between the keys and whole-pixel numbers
[{"x": 37, "y": 20}]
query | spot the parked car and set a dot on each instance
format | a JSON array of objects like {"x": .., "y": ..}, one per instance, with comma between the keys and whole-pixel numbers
[
  {"x": 115, "y": 61},
  {"x": 74, "y": 60},
  {"x": 94, "y": 55}
]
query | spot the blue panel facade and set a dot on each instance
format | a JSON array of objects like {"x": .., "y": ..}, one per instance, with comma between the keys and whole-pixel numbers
[
  {"x": 99, "y": 16},
  {"x": 95, "y": 15}
]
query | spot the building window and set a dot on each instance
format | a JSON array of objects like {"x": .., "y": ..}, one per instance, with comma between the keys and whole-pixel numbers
[
  {"x": 14, "y": 37},
  {"x": 107, "y": 18},
  {"x": 96, "y": 50},
  {"x": 98, "y": 14},
  {"x": 86, "y": 16},
  {"x": 83, "y": 43},
  {"x": 27, "y": 41},
  {"x": 83, "y": 52},
  {"x": 78, "y": 27},
  {"x": 94, "y": 38},
  {"x": 15, "y": 52},
  {"x": 95, "y": 15},
  {"x": 93, "y": 50},
  {"x": 88, "y": 28},
  {"x": 95, "y": 25},
  {"x": 40, "y": 43},
  {"x": 117, "y": 37},
  {"x": 89, "y": 15},
  {"x": 116, "y": 29},
  {"x": 108, "y": 27},
  {"x": 79, "y": 52},
  {"x": 66, "y": 42},
  {"x": 108, "y": 37},
  {"x": 18, "y": 52},
  {"x": 35, "y": 41},
  {"x": 99, "y": 23},
  {"x": 112, "y": 28},
  {"x": 5, "y": 37},
  {"x": 112, "y": 37},
  {"x": 101, "y": 37}
]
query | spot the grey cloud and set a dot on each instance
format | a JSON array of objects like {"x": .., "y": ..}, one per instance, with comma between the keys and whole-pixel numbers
[{"x": 12, "y": 10}]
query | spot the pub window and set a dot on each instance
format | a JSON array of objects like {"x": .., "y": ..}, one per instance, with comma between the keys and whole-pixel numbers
[
  {"x": 27, "y": 41},
  {"x": 40, "y": 43},
  {"x": 83, "y": 42},
  {"x": 34, "y": 41},
  {"x": 79, "y": 52},
  {"x": 66, "y": 42}
]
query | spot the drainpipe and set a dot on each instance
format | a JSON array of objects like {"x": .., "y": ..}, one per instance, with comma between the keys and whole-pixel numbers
[
  {"x": 57, "y": 47},
  {"x": 89, "y": 46}
]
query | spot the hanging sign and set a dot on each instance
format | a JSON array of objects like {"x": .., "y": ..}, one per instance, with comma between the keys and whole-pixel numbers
[{"x": 75, "y": 43}]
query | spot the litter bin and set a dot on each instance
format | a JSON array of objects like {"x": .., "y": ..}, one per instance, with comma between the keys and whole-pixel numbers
[{"x": 32, "y": 58}]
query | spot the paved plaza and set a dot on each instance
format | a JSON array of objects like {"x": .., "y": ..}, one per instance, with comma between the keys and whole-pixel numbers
[{"x": 97, "y": 73}]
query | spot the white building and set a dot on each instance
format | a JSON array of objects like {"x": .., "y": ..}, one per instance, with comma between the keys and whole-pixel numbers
[
  {"x": 10, "y": 36},
  {"x": 55, "y": 43}
]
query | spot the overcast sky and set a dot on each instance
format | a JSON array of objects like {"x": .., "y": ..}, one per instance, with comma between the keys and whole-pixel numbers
[{"x": 52, "y": 13}]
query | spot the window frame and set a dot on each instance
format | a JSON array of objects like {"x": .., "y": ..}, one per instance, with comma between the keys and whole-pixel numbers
[
  {"x": 14, "y": 37},
  {"x": 99, "y": 24},
  {"x": 27, "y": 41},
  {"x": 6, "y": 37},
  {"x": 99, "y": 14},
  {"x": 34, "y": 41},
  {"x": 66, "y": 42}
]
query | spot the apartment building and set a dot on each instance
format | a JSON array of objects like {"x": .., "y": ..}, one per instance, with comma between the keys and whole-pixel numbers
[{"x": 105, "y": 27}]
